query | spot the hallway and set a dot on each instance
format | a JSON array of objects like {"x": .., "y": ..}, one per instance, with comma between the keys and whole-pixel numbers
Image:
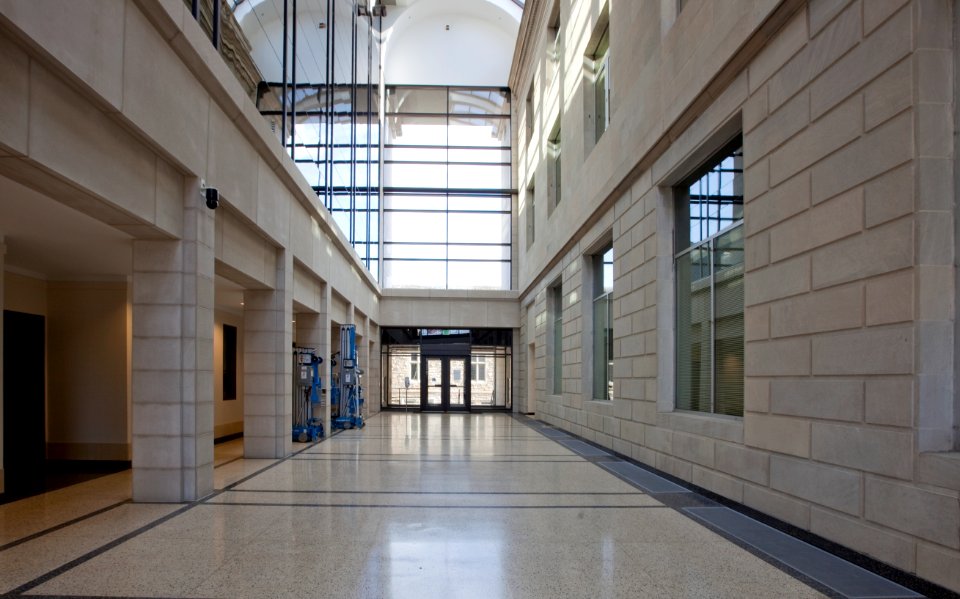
[{"x": 482, "y": 505}]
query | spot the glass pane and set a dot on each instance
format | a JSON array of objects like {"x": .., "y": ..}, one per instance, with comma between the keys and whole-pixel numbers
[
  {"x": 416, "y": 227},
  {"x": 479, "y": 275},
  {"x": 602, "y": 348},
  {"x": 557, "y": 340},
  {"x": 478, "y": 131},
  {"x": 414, "y": 251},
  {"x": 434, "y": 382},
  {"x": 486, "y": 155},
  {"x": 414, "y": 274},
  {"x": 716, "y": 198},
  {"x": 431, "y": 176},
  {"x": 488, "y": 390},
  {"x": 728, "y": 326},
  {"x": 694, "y": 347},
  {"x": 418, "y": 100},
  {"x": 603, "y": 272},
  {"x": 458, "y": 381},
  {"x": 480, "y": 202},
  {"x": 479, "y": 228},
  {"x": 600, "y": 99},
  {"x": 479, "y": 101},
  {"x": 476, "y": 176},
  {"x": 417, "y": 130},
  {"x": 311, "y": 172},
  {"x": 412, "y": 202},
  {"x": 403, "y": 376},
  {"x": 479, "y": 252},
  {"x": 422, "y": 154}
]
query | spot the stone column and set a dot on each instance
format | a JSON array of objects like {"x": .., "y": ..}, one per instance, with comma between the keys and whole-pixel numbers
[
  {"x": 173, "y": 296},
  {"x": 268, "y": 369}
]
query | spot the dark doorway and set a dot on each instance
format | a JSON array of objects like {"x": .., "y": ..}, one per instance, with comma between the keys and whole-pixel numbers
[{"x": 24, "y": 383}]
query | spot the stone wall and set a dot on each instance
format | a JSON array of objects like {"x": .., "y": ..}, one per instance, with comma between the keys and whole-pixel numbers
[{"x": 846, "y": 113}]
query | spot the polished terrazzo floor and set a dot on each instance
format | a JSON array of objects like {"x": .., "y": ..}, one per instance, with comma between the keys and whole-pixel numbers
[{"x": 413, "y": 505}]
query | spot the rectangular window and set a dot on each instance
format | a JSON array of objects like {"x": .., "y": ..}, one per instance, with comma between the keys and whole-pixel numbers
[
  {"x": 556, "y": 305},
  {"x": 554, "y": 45},
  {"x": 601, "y": 84},
  {"x": 478, "y": 369},
  {"x": 529, "y": 115},
  {"x": 531, "y": 217},
  {"x": 709, "y": 279},
  {"x": 603, "y": 324},
  {"x": 414, "y": 367},
  {"x": 554, "y": 170}
]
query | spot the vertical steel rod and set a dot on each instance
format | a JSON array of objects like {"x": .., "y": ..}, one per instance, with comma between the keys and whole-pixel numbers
[
  {"x": 352, "y": 234},
  {"x": 283, "y": 95},
  {"x": 293, "y": 76},
  {"x": 369, "y": 133},
  {"x": 215, "y": 33}
]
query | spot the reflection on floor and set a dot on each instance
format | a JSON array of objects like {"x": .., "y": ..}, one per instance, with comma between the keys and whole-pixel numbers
[
  {"x": 66, "y": 473},
  {"x": 413, "y": 505}
]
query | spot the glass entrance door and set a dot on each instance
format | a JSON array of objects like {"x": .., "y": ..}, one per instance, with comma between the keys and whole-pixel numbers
[{"x": 445, "y": 384}]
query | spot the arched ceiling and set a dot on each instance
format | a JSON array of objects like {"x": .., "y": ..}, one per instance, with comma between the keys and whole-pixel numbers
[{"x": 425, "y": 42}]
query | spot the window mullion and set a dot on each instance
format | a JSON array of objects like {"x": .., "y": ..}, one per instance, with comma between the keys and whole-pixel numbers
[{"x": 713, "y": 328}]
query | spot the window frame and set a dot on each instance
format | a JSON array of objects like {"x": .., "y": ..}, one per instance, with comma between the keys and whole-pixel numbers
[
  {"x": 683, "y": 247},
  {"x": 530, "y": 219},
  {"x": 601, "y": 70},
  {"x": 415, "y": 366},
  {"x": 478, "y": 362},
  {"x": 601, "y": 299},
  {"x": 555, "y": 167},
  {"x": 555, "y": 308}
]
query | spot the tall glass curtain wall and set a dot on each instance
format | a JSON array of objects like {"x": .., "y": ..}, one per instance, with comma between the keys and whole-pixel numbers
[
  {"x": 446, "y": 188},
  {"x": 332, "y": 125},
  {"x": 709, "y": 275}
]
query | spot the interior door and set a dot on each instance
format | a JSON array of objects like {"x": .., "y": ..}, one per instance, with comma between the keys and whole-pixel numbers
[
  {"x": 445, "y": 384},
  {"x": 24, "y": 383},
  {"x": 432, "y": 381},
  {"x": 458, "y": 371}
]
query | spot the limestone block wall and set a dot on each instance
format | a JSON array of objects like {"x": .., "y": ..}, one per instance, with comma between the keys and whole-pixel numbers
[
  {"x": 846, "y": 109},
  {"x": 121, "y": 109}
]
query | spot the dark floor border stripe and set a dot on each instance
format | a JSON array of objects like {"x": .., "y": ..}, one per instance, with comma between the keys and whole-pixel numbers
[
  {"x": 845, "y": 578},
  {"x": 394, "y": 438},
  {"x": 438, "y": 507},
  {"x": 320, "y": 459},
  {"x": 499, "y": 455},
  {"x": 96, "y": 552},
  {"x": 700, "y": 497},
  {"x": 92, "y": 597},
  {"x": 329, "y": 492},
  {"x": 236, "y": 459},
  {"x": 62, "y": 569},
  {"x": 61, "y": 526}
]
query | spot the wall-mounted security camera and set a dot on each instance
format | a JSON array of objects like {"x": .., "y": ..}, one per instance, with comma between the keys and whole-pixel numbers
[{"x": 212, "y": 196}]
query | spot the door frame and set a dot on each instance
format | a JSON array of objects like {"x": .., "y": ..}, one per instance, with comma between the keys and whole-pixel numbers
[{"x": 445, "y": 383}]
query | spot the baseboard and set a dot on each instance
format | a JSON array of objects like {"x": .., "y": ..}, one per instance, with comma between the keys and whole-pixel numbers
[
  {"x": 229, "y": 437},
  {"x": 114, "y": 452}
]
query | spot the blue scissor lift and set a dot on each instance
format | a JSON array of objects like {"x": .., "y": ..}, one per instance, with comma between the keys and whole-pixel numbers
[
  {"x": 307, "y": 396},
  {"x": 346, "y": 394}
]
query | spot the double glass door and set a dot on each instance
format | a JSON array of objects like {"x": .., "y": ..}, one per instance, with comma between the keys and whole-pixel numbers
[{"x": 445, "y": 383}]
